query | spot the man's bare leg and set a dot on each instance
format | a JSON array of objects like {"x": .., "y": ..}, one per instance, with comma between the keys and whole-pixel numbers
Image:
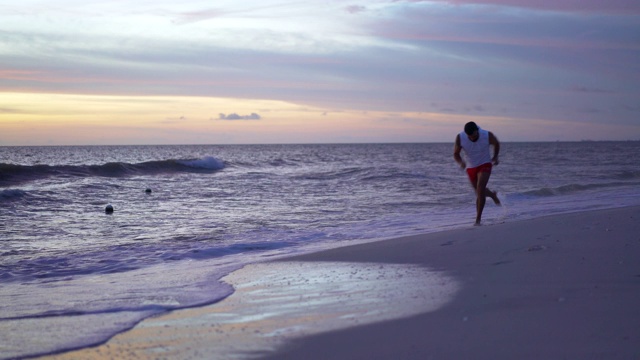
[{"x": 481, "y": 194}]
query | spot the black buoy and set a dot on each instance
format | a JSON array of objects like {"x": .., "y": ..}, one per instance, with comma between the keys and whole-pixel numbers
[
  {"x": 148, "y": 191},
  {"x": 108, "y": 209}
]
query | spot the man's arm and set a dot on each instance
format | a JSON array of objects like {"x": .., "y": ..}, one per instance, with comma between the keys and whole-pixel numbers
[
  {"x": 493, "y": 140},
  {"x": 456, "y": 153}
]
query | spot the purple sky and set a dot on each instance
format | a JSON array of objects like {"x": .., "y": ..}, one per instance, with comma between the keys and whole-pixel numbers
[{"x": 531, "y": 70}]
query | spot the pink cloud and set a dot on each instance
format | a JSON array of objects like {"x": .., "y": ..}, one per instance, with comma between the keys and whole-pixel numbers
[
  {"x": 11, "y": 74},
  {"x": 201, "y": 15}
]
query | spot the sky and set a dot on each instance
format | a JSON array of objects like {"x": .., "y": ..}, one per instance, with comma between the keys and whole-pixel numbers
[{"x": 99, "y": 72}]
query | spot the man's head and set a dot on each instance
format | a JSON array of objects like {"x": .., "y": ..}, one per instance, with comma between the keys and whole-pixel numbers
[{"x": 471, "y": 129}]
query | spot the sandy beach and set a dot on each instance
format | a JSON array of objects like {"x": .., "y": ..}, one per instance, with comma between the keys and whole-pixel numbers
[{"x": 558, "y": 287}]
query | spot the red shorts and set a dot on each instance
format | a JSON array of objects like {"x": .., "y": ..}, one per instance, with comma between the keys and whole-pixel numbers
[{"x": 473, "y": 172}]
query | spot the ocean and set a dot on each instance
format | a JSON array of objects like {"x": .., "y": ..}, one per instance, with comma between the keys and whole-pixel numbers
[{"x": 72, "y": 275}]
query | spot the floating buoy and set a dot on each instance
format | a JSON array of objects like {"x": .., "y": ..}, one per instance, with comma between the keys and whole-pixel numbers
[
  {"x": 108, "y": 209},
  {"x": 148, "y": 191}
]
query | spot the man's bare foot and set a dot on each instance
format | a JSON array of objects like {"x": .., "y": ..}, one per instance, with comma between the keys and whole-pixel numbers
[{"x": 495, "y": 198}]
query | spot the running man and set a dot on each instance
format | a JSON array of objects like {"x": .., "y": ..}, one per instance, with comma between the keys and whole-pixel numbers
[{"x": 476, "y": 144}]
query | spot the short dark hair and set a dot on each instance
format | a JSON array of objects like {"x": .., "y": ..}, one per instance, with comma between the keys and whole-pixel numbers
[{"x": 470, "y": 128}]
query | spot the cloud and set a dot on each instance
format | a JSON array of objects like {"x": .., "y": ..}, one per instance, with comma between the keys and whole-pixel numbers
[
  {"x": 234, "y": 116},
  {"x": 11, "y": 111},
  {"x": 354, "y": 9},
  {"x": 582, "y": 6},
  {"x": 199, "y": 15}
]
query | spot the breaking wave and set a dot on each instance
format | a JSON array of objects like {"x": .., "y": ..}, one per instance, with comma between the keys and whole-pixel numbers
[
  {"x": 571, "y": 189},
  {"x": 13, "y": 174}
]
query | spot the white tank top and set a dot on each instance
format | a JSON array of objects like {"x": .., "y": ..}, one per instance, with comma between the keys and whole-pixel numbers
[{"x": 478, "y": 152}]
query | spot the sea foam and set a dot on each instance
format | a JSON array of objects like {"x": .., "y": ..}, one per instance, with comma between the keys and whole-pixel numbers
[{"x": 207, "y": 162}]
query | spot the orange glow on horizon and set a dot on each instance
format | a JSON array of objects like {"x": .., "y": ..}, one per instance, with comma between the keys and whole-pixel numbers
[{"x": 64, "y": 119}]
